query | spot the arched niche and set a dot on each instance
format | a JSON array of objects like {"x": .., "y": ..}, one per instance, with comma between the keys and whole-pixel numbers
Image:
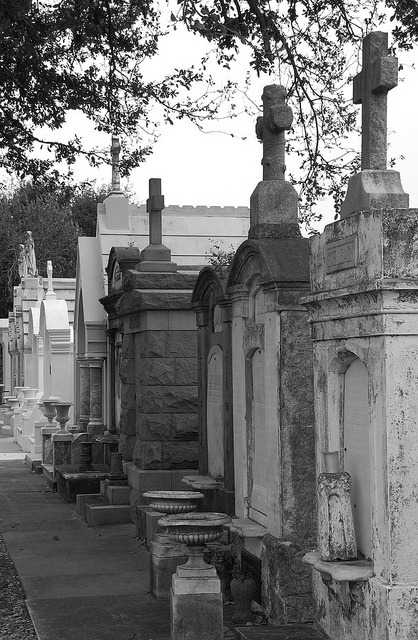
[
  {"x": 256, "y": 436},
  {"x": 348, "y": 430},
  {"x": 356, "y": 430},
  {"x": 214, "y": 412}
]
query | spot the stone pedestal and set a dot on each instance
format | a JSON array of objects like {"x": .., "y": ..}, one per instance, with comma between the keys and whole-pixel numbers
[
  {"x": 61, "y": 449},
  {"x": 374, "y": 189},
  {"x": 164, "y": 558},
  {"x": 46, "y": 435},
  {"x": 196, "y": 605},
  {"x": 71, "y": 482}
]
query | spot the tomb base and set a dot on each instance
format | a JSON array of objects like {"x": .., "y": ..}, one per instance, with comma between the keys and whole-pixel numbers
[
  {"x": 196, "y": 605},
  {"x": 373, "y": 189},
  {"x": 164, "y": 560},
  {"x": 71, "y": 482}
]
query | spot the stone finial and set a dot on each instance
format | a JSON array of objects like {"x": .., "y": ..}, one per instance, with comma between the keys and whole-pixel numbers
[
  {"x": 50, "y": 292},
  {"x": 115, "y": 153},
  {"x": 370, "y": 88},
  {"x": 276, "y": 119},
  {"x": 30, "y": 255},
  {"x": 156, "y": 257},
  {"x": 274, "y": 202},
  {"x": 375, "y": 187}
]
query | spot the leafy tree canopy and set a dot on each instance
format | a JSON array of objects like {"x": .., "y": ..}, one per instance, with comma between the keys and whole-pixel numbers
[
  {"x": 56, "y": 218},
  {"x": 90, "y": 55}
]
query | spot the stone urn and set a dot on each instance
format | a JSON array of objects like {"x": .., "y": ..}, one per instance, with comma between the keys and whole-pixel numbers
[
  {"x": 171, "y": 502},
  {"x": 62, "y": 417},
  {"x": 194, "y": 530}
]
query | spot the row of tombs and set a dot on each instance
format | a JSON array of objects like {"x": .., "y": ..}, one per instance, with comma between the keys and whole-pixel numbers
[{"x": 235, "y": 383}]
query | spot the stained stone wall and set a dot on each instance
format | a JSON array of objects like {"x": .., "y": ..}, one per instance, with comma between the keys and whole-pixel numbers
[
  {"x": 166, "y": 396},
  {"x": 127, "y": 425}
]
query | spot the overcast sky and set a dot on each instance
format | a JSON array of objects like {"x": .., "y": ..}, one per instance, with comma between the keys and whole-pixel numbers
[{"x": 217, "y": 169}]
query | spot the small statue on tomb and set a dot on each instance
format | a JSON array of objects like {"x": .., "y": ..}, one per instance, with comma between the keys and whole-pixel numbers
[
  {"x": 30, "y": 255},
  {"x": 22, "y": 262}
]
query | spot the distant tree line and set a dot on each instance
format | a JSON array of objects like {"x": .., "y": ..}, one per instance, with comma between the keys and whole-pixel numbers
[{"x": 56, "y": 218}]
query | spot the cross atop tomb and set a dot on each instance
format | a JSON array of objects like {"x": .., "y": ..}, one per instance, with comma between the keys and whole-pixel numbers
[
  {"x": 370, "y": 88},
  {"x": 115, "y": 153},
  {"x": 156, "y": 257},
  {"x": 276, "y": 119},
  {"x": 155, "y": 206}
]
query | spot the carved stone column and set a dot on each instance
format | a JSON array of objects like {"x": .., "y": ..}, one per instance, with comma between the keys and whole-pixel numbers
[
  {"x": 95, "y": 424},
  {"x": 84, "y": 415}
]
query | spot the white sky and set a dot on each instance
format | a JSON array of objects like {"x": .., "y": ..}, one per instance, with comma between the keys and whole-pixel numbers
[{"x": 216, "y": 169}]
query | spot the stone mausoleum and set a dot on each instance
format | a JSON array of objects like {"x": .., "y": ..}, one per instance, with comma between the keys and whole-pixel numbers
[{"x": 363, "y": 311}]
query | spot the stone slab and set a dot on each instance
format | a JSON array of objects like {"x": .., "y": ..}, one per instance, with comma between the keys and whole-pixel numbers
[
  {"x": 102, "y": 513},
  {"x": 70, "y": 482},
  {"x": 283, "y": 632},
  {"x": 196, "y": 616},
  {"x": 112, "y": 617}
]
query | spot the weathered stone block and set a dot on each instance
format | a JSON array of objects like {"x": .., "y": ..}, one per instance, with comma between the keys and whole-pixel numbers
[
  {"x": 126, "y": 370},
  {"x": 154, "y": 426},
  {"x": 126, "y": 446},
  {"x": 196, "y": 616},
  {"x": 128, "y": 346},
  {"x": 127, "y": 422},
  {"x": 176, "y": 455},
  {"x": 285, "y": 582},
  {"x": 185, "y": 371},
  {"x": 185, "y": 426},
  {"x": 168, "y": 399},
  {"x": 181, "y": 344},
  {"x": 150, "y": 344},
  {"x": 148, "y": 480},
  {"x": 156, "y": 371},
  {"x": 147, "y": 455}
]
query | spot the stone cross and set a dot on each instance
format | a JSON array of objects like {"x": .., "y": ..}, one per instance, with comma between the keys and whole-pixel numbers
[
  {"x": 370, "y": 88},
  {"x": 155, "y": 205},
  {"x": 115, "y": 153},
  {"x": 276, "y": 119}
]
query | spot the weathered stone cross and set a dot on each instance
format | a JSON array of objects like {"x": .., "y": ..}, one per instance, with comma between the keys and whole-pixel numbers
[
  {"x": 155, "y": 206},
  {"x": 276, "y": 119},
  {"x": 370, "y": 88},
  {"x": 115, "y": 153}
]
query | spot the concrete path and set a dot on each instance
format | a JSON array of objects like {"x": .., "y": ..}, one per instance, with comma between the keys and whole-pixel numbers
[{"x": 81, "y": 583}]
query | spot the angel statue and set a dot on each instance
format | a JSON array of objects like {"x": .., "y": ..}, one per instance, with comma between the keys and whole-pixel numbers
[{"x": 30, "y": 255}]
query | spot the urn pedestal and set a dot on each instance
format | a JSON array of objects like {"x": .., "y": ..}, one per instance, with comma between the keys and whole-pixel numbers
[
  {"x": 196, "y": 608},
  {"x": 167, "y": 554}
]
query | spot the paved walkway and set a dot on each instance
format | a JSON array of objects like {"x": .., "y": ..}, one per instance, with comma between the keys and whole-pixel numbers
[{"x": 81, "y": 583}]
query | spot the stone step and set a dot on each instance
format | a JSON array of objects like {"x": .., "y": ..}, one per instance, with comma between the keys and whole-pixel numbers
[
  {"x": 83, "y": 499},
  {"x": 118, "y": 495},
  {"x": 101, "y": 513},
  {"x": 282, "y": 632},
  {"x": 6, "y": 430}
]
